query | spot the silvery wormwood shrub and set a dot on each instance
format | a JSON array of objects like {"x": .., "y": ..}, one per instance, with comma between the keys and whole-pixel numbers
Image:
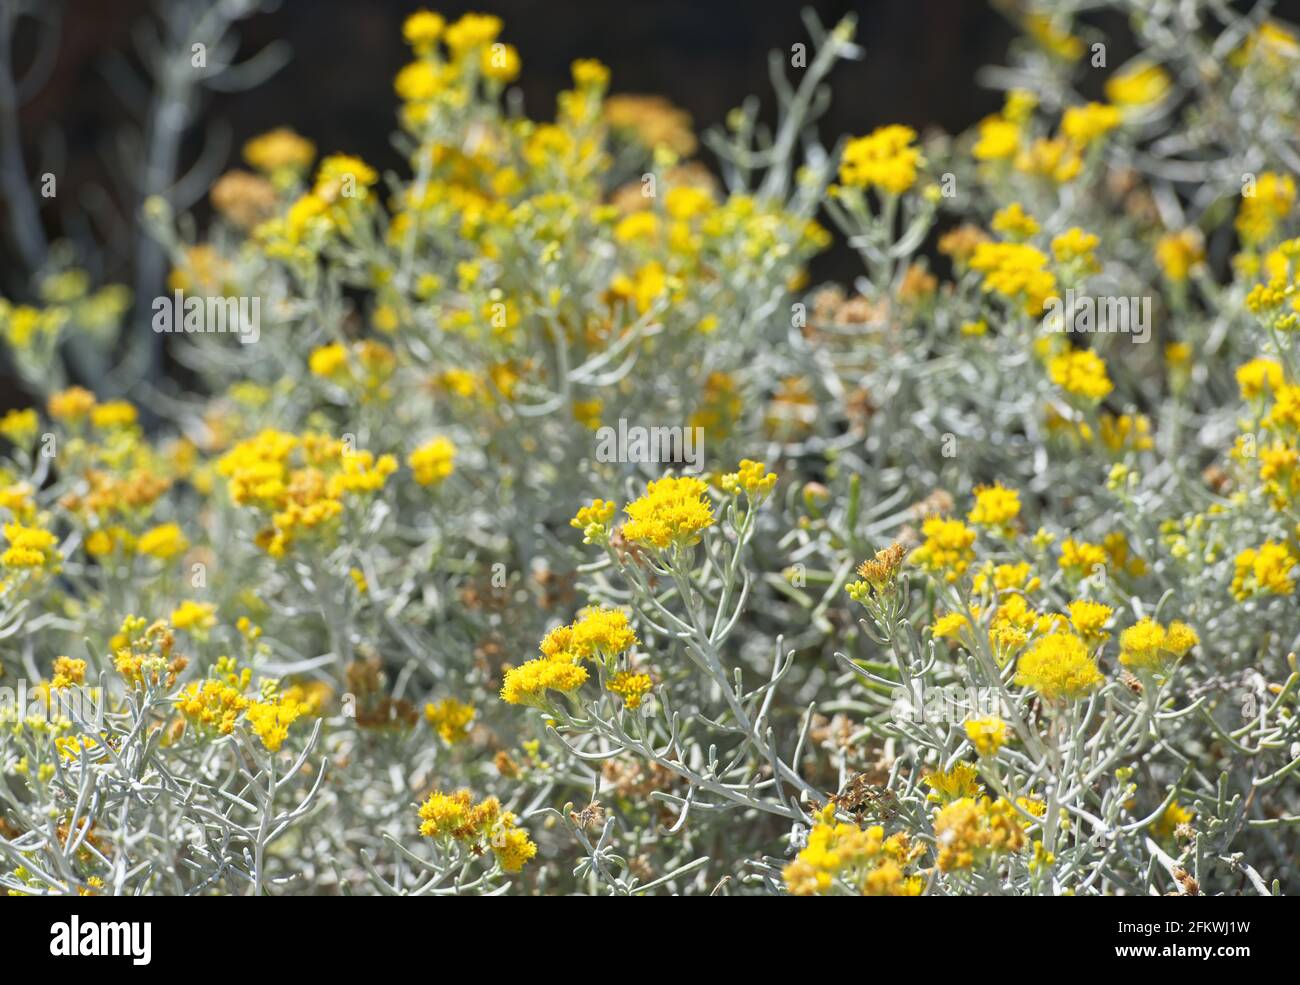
[{"x": 985, "y": 583}]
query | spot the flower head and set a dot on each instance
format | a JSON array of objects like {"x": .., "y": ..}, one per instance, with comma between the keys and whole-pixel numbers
[
  {"x": 673, "y": 512},
  {"x": 1059, "y": 668},
  {"x": 884, "y": 159}
]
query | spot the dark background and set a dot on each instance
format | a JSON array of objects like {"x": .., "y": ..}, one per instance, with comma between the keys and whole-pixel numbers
[
  {"x": 921, "y": 60},
  {"x": 707, "y": 57}
]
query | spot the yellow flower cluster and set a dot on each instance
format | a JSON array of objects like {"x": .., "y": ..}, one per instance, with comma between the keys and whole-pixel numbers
[
  {"x": 594, "y": 519},
  {"x": 752, "y": 477},
  {"x": 987, "y": 735},
  {"x": 433, "y": 461},
  {"x": 1089, "y": 620},
  {"x": 1059, "y": 668},
  {"x": 143, "y": 653},
  {"x": 1263, "y": 205},
  {"x": 193, "y": 615},
  {"x": 878, "y": 574},
  {"x": 885, "y": 159},
  {"x": 844, "y": 857},
  {"x": 271, "y": 717},
  {"x": 1147, "y": 645},
  {"x": 30, "y": 548},
  {"x": 630, "y": 687},
  {"x": 216, "y": 704},
  {"x": 1081, "y": 373},
  {"x": 450, "y": 719},
  {"x": 948, "y": 548},
  {"x": 1018, "y": 272},
  {"x": 456, "y": 818},
  {"x": 598, "y": 634},
  {"x": 305, "y": 500},
  {"x": 1138, "y": 84},
  {"x": 971, "y": 831},
  {"x": 1264, "y": 570},
  {"x": 672, "y": 513},
  {"x": 995, "y": 506}
]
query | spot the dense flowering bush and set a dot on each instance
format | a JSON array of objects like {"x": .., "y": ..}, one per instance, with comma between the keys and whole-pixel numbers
[{"x": 967, "y": 597}]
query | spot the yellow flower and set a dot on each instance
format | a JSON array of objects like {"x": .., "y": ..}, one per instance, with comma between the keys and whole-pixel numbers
[
  {"x": 114, "y": 414},
  {"x": 593, "y": 520},
  {"x": 194, "y": 615},
  {"x": 1017, "y": 271},
  {"x": 752, "y": 477},
  {"x": 1085, "y": 124},
  {"x": 1014, "y": 221},
  {"x": 513, "y": 848},
  {"x": 1076, "y": 246},
  {"x": 433, "y": 461},
  {"x": 970, "y": 832},
  {"x": 1263, "y": 569},
  {"x": 20, "y": 426},
  {"x": 673, "y": 512},
  {"x": 422, "y": 29},
  {"x": 1141, "y": 644},
  {"x": 1080, "y": 372},
  {"x": 71, "y": 404},
  {"x": 528, "y": 683},
  {"x": 589, "y": 73},
  {"x": 947, "y": 785},
  {"x": 999, "y": 138},
  {"x": 279, "y": 150},
  {"x": 878, "y": 574},
  {"x": 442, "y": 814},
  {"x": 947, "y": 549},
  {"x": 270, "y": 720},
  {"x": 1163, "y": 827},
  {"x": 600, "y": 633},
  {"x": 630, "y": 687},
  {"x": 67, "y": 672},
  {"x": 472, "y": 31},
  {"x": 1089, "y": 620},
  {"x": 455, "y": 817},
  {"x": 987, "y": 735},
  {"x": 846, "y": 857},
  {"x": 995, "y": 506},
  {"x": 1080, "y": 558},
  {"x": 1177, "y": 253},
  {"x": 949, "y": 626},
  {"x": 1264, "y": 205},
  {"x": 884, "y": 159},
  {"x": 328, "y": 360},
  {"x": 1058, "y": 667},
  {"x": 1054, "y": 158},
  {"x": 450, "y": 719},
  {"x": 1138, "y": 84},
  {"x": 1005, "y": 577},
  {"x": 500, "y": 62},
  {"x": 1259, "y": 375},
  {"x": 1146, "y": 644},
  {"x": 587, "y": 413},
  {"x": 215, "y": 704},
  {"x": 343, "y": 175},
  {"x": 29, "y": 547},
  {"x": 164, "y": 542},
  {"x": 640, "y": 225}
]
